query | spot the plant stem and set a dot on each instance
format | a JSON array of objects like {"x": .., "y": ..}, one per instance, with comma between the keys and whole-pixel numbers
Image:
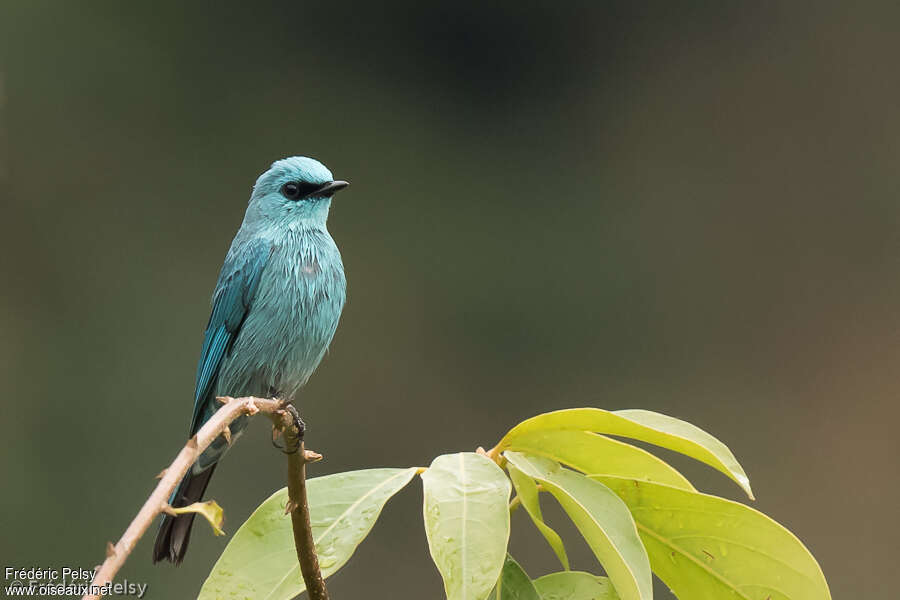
[
  {"x": 298, "y": 506},
  {"x": 169, "y": 478}
]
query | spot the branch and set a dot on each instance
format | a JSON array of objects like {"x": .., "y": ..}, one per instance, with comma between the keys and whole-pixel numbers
[
  {"x": 298, "y": 506},
  {"x": 159, "y": 499}
]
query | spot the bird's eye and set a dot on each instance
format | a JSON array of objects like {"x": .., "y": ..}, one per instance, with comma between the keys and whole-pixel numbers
[
  {"x": 295, "y": 190},
  {"x": 290, "y": 190}
]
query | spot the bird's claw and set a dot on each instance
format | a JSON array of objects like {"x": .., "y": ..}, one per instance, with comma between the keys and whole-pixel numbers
[
  {"x": 298, "y": 422},
  {"x": 300, "y": 426},
  {"x": 275, "y": 433}
]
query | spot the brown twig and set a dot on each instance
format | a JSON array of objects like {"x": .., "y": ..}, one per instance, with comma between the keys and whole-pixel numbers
[
  {"x": 169, "y": 478},
  {"x": 298, "y": 506}
]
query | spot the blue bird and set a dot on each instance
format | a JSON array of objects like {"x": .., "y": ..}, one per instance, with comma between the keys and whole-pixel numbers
[{"x": 275, "y": 309}]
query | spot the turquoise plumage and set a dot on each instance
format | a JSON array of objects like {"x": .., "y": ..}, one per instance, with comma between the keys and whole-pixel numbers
[{"x": 275, "y": 309}]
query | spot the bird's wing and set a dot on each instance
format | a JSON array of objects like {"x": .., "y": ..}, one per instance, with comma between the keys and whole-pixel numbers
[{"x": 234, "y": 294}]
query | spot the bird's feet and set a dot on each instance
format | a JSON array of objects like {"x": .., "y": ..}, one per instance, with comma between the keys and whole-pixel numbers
[
  {"x": 298, "y": 422},
  {"x": 292, "y": 440}
]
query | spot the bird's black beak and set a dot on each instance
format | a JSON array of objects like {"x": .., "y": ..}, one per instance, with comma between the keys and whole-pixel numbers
[{"x": 328, "y": 189}]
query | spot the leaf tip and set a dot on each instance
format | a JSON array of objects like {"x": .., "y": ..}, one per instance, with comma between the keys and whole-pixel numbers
[{"x": 744, "y": 482}]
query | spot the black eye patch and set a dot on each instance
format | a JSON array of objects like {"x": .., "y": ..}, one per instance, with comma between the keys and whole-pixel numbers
[{"x": 294, "y": 190}]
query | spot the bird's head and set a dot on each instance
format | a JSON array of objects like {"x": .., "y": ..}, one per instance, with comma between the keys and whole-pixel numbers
[{"x": 295, "y": 191}]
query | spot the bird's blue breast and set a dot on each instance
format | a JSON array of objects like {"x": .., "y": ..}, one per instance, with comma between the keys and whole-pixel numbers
[{"x": 292, "y": 318}]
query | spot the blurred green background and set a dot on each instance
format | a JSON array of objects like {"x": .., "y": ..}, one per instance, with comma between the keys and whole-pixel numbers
[{"x": 691, "y": 209}]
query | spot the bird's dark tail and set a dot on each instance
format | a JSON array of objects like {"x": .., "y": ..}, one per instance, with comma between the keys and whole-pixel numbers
[{"x": 175, "y": 531}]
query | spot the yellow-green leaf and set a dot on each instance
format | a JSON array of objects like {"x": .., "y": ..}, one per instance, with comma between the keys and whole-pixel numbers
[
  {"x": 603, "y": 520},
  {"x": 654, "y": 428},
  {"x": 210, "y": 510},
  {"x": 574, "y": 585},
  {"x": 592, "y": 453},
  {"x": 466, "y": 512},
  {"x": 260, "y": 561},
  {"x": 527, "y": 492},
  {"x": 703, "y": 546}
]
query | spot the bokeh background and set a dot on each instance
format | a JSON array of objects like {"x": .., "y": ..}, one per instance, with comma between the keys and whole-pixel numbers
[{"x": 691, "y": 209}]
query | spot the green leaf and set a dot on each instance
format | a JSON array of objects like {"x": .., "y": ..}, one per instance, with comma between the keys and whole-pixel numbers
[
  {"x": 703, "y": 546},
  {"x": 654, "y": 428},
  {"x": 603, "y": 520},
  {"x": 260, "y": 561},
  {"x": 574, "y": 585},
  {"x": 527, "y": 492},
  {"x": 466, "y": 512},
  {"x": 593, "y": 454},
  {"x": 514, "y": 583}
]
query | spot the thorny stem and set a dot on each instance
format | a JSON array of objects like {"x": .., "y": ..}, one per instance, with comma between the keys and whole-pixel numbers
[
  {"x": 169, "y": 478},
  {"x": 298, "y": 506}
]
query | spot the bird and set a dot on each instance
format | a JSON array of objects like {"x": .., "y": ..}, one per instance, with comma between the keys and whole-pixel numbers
[{"x": 275, "y": 309}]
